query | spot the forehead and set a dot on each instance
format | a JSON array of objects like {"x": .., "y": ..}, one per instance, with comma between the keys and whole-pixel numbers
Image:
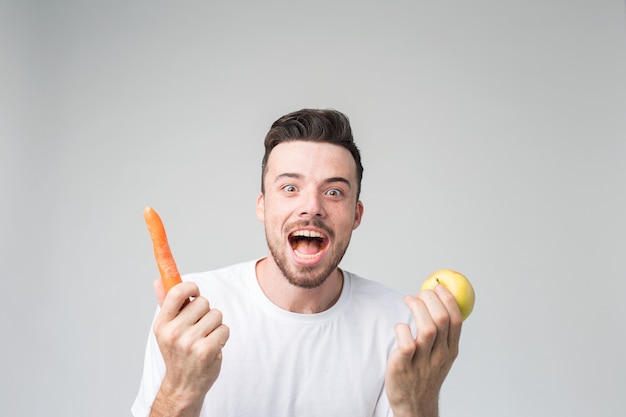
[{"x": 311, "y": 159}]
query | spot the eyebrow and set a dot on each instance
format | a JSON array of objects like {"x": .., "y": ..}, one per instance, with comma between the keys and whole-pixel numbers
[{"x": 326, "y": 181}]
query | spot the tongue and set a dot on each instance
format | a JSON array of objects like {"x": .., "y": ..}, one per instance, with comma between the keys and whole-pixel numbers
[{"x": 307, "y": 246}]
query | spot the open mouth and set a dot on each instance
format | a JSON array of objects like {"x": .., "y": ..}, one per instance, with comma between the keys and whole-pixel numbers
[{"x": 307, "y": 244}]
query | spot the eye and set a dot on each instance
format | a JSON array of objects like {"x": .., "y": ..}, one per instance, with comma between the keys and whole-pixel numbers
[
  {"x": 290, "y": 188},
  {"x": 334, "y": 192}
]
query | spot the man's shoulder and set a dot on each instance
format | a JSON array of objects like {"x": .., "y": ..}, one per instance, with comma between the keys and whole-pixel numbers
[
  {"x": 375, "y": 293},
  {"x": 241, "y": 268},
  {"x": 368, "y": 286},
  {"x": 376, "y": 302},
  {"x": 231, "y": 275}
]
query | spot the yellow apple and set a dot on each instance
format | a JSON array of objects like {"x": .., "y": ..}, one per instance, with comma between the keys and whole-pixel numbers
[{"x": 457, "y": 284}]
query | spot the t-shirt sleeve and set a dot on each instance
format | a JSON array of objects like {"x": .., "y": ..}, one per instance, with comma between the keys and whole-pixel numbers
[{"x": 153, "y": 372}]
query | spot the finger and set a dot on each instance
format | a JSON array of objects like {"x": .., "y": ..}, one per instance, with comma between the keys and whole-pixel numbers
[
  {"x": 456, "y": 320},
  {"x": 448, "y": 301},
  {"x": 209, "y": 322},
  {"x": 436, "y": 308},
  {"x": 426, "y": 330},
  {"x": 215, "y": 341},
  {"x": 176, "y": 298},
  {"x": 405, "y": 341},
  {"x": 439, "y": 315},
  {"x": 159, "y": 290},
  {"x": 195, "y": 312},
  {"x": 219, "y": 336}
]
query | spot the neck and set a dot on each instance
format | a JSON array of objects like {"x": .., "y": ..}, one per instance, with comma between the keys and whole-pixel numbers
[{"x": 296, "y": 299}]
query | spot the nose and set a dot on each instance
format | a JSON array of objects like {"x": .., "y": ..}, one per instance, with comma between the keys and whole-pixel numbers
[{"x": 311, "y": 205}]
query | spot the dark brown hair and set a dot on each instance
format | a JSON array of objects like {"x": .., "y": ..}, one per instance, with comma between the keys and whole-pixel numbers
[{"x": 325, "y": 125}]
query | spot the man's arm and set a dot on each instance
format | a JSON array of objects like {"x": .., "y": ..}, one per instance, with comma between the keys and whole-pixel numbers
[
  {"x": 191, "y": 337},
  {"x": 418, "y": 366}
]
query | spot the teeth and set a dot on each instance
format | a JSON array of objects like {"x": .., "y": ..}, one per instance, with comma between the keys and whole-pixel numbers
[{"x": 307, "y": 233}]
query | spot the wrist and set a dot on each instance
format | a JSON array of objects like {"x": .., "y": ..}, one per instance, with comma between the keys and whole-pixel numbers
[
  {"x": 172, "y": 400},
  {"x": 430, "y": 409}
]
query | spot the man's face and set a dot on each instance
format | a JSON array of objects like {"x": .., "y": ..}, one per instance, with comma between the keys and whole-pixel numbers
[{"x": 309, "y": 209}]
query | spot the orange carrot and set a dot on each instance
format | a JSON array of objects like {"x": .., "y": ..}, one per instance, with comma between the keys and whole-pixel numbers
[{"x": 165, "y": 261}]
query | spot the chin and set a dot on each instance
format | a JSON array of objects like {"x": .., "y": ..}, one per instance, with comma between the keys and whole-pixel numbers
[{"x": 308, "y": 277}]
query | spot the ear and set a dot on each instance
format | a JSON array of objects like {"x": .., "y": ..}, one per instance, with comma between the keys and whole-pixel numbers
[
  {"x": 358, "y": 214},
  {"x": 260, "y": 207}
]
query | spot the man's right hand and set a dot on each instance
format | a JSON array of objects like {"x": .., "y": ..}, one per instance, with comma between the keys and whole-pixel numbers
[{"x": 191, "y": 336}]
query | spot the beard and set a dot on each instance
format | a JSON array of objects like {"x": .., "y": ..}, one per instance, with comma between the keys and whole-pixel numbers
[{"x": 307, "y": 277}]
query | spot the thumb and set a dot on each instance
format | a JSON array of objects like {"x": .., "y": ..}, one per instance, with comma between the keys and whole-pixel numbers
[{"x": 159, "y": 290}]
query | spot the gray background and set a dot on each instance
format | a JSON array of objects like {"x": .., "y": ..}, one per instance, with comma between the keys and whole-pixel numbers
[{"x": 493, "y": 137}]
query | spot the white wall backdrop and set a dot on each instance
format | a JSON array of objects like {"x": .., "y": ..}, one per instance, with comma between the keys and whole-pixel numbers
[{"x": 494, "y": 141}]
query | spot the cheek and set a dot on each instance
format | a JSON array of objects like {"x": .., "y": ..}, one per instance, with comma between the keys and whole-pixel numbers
[
  {"x": 347, "y": 223},
  {"x": 269, "y": 216}
]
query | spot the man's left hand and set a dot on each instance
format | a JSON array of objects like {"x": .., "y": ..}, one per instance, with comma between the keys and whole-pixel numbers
[{"x": 418, "y": 366}]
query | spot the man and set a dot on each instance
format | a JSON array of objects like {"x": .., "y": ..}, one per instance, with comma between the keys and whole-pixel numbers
[{"x": 304, "y": 337}]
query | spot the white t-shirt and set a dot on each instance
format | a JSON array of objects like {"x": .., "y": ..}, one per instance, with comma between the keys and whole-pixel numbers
[{"x": 279, "y": 363}]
